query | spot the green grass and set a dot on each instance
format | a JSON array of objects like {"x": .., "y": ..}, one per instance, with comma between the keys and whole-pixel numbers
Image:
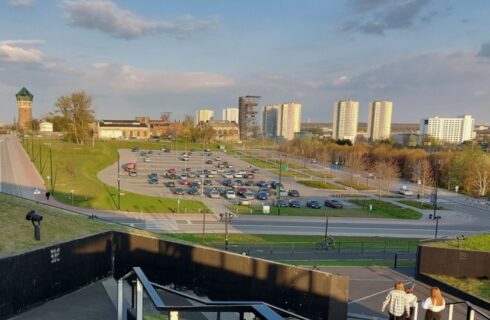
[
  {"x": 351, "y": 263},
  {"x": 16, "y": 233},
  {"x": 357, "y": 186},
  {"x": 75, "y": 167},
  {"x": 476, "y": 287},
  {"x": 387, "y": 209},
  {"x": 319, "y": 185},
  {"x": 479, "y": 243},
  {"x": 420, "y": 205}
]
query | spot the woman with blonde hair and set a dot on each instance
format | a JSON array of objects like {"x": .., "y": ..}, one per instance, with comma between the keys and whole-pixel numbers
[
  {"x": 397, "y": 301},
  {"x": 434, "y": 304}
]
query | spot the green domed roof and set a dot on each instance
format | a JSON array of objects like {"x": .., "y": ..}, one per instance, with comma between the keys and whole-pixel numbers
[{"x": 24, "y": 94}]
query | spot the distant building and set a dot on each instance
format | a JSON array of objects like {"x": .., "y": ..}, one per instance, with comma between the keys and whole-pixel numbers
[
  {"x": 379, "y": 120},
  {"x": 303, "y": 134},
  {"x": 270, "y": 115},
  {"x": 289, "y": 120},
  {"x": 345, "y": 120},
  {"x": 45, "y": 126},
  {"x": 247, "y": 116},
  {"x": 230, "y": 114},
  {"x": 451, "y": 130},
  {"x": 24, "y": 105},
  {"x": 204, "y": 115},
  {"x": 123, "y": 129},
  {"x": 226, "y": 131}
]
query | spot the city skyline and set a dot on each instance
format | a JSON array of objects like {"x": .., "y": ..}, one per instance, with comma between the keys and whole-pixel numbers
[{"x": 428, "y": 57}]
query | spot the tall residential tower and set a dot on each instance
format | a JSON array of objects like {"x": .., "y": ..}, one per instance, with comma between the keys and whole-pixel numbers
[
  {"x": 379, "y": 120},
  {"x": 345, "y": 120},
  {"x": 204, "y": 115},
  {"x": 247, "y": 116},
  {"x": 230, "y": 114}
]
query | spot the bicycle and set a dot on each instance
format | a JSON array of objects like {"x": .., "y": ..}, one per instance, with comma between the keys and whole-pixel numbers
[{"x": 326, "y": 244}]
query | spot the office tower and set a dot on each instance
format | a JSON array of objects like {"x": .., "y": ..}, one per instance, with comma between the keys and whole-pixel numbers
[
  {"x": 379, "y": 120},
  {"x": 345, "y": 120},
  {"x": 230, "y": 114},
  {"x": 24, "y": 105},
  {"x": 289, "y": 120},
  {"x": 452, "y": 130},
  {"x": 247, "y": 116},
  {"x": 269, "y": 120},
  {"x": 204, "y": 115}
]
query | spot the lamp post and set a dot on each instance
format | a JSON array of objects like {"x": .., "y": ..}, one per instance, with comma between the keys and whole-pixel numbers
[
  {"x": 202, "y": 174},
  {"x": 227, "y": 214},
  {"x": 118, "y": 181},
  {"x": 326, "y": 225},
  {"x": 51, "y": 168},
  {"x": 434, "y": 216},
  {"x": 72, "y": 191}
]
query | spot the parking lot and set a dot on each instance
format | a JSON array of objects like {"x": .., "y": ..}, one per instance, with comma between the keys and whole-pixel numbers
[{"x": 215, "y": 178}]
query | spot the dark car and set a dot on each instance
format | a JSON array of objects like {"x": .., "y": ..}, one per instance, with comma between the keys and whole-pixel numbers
[
  {"x": 193, "y": 191},
  {"x": 179, "y": 191},
  {"x": 135, "y": 149},
  {"x": 293, "y": 193},
  {"x": 208, "y": 182},
  {"x": 227, "y": 182},
  {"x": 170, "y": 184},
  {"x": 249, "y": 183},
  {"x": 261, "y": 196},
  {"x": 281, "y": 203},
  {"x": 167, "y": 151},
  {"x": 261, "y": 184},
  {"x": 334, "y": 203},
  {"x": 313, "y": 204},
  {"x": 248, "y": 175},
  {"x": 153, "y": 181},
  {"x": 266, "y": 191},
  {"x": 294, "y": 204},
  {"x": 209, "y": 162},
  {"x": 132, "y": 173},
  {"x": 153, "y": 176}
]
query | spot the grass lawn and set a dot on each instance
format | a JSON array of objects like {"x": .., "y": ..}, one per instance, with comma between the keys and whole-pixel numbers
[
  {"x": 350, "y": 263},
  {"x": 420, "y": 205},
  {"x": 479, "y": 243},
  {"x": 476, "y": 287},
  {"x": 357, "y": 186},
  {"x": 319, "y": 185},
  {"x": 75, "y": 167},
  {"x": 387, "y": 209},
  {"x": 16, "y": 233}
]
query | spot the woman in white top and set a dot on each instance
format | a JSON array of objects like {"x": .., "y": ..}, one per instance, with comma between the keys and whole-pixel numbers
[
  {"x": 434, "y": 305},
  {"x": 412, "y": 302}
]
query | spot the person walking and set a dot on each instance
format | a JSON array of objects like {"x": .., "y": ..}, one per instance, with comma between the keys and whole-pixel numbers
[
  {"x": 397, "y": 300},
  {"x": 48, "y": 194},
  {"x": 412, "y": 302},
  {"x": 434, "y": 304}
]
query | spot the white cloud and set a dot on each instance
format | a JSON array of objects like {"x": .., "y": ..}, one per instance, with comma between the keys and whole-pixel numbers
[
  {"x": 340, "y": 81},
  {"x": 10, "y": 53},
  {"x": 22, "y": 42},
  {"x": 22, "y": 3},
  {"x": 107, "y": 17}
]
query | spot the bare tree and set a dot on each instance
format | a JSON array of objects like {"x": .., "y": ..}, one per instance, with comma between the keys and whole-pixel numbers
[
  {"x": 355, "y": 162},
  {"x": 477, "y": 176},
  {"x": 422, "y": 173},
  {"x": 385, "y": 171}
]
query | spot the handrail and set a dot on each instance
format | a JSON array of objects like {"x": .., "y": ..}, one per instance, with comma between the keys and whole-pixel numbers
[{"x": 261, "y": 309}]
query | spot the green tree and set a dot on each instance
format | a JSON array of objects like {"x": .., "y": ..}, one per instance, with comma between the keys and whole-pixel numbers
[{"x": 76, "y": 114}]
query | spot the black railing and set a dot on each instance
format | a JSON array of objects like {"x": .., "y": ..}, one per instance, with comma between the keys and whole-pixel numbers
[{"x": 259, "y": 309}]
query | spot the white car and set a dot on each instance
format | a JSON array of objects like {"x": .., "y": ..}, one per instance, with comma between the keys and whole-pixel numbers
[
  {"x": 214, "y": 171},
  {"x": 230, "y": 194},
  {"x": 405, "y": 192},
  {"x": 228, "y": 176},
  {"x": 146, "y": 159},
  {"x": 214, "y": 194},
  {"x": 237, "y": 175}
]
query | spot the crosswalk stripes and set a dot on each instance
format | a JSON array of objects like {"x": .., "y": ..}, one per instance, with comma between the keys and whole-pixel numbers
[{"x": 161, "y": 225}]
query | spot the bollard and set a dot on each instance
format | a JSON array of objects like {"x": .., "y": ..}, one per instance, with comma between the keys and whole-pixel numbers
[{"x": 396, "y": 261}]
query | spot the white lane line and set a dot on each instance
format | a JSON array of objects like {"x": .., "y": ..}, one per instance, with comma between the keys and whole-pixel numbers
[
  {"x": 375, "y": 294},
  {"x": 334, "y": 227}
]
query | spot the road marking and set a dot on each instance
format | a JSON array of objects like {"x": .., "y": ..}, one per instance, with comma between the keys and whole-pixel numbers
[{"x": 375, "y": 294}]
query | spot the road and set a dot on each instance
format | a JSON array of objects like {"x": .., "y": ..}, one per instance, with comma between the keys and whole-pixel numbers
[{"x": 19, "y": 177}]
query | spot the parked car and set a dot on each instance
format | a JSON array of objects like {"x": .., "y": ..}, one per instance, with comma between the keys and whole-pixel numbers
[
  {"x": 185, "y": 182},
  {"x": 208, "y": 182},
  {"x": 249, "y": 195},
  {"x": 283, "y": 192},
  {"x": 334, "y": 203},
  {"x": 313, "y": 204},
  {"x": 171, "y": 171},
  {"x": 214, "y": 194},
  {"x": 153, "y": 175},
  {"x": 146, "y": 159},
  {"x": 193, "y": 191},
  {"x": 266, "y": 191},
  {"x": 281, "y": 203},
  {"x": 249, "y": 183},
  {"x": 209, "y": 162},
  {"x": 135, "y": 149},
  {"x": 153, "y": 181},
  {"x": 293, "y": 193},
  {"x": 294, "y": 204},
  {"x": 261, "y": 184},
  {"x": 170, "y": 184},
  {"x": 178, "y": 191},
  {"x": 132, "y": 173},
  {"x": 248, "y": 175},
  {"x": 228, "y": 176},
  {"x": 230, "y": 194},
  {"x": 261, "y": 196}
]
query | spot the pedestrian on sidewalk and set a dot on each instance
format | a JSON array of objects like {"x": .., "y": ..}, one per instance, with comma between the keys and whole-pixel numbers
[
  {"x": 412, "y": 302},
  {"x": 397, "y": 301},
  {"x": 434, "y": 304},
  {"x": 48, "y": 194}
]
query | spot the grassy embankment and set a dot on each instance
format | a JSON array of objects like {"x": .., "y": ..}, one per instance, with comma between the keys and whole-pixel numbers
[
  {"x": 75, "y": 167},
  {"x": 16, "y": 233},
  {"x": 420, "y": 205},
  {"x": 320, "y": 185},
  {"x": 357, "y": 186},
  {"x": 384, "y": 209}
]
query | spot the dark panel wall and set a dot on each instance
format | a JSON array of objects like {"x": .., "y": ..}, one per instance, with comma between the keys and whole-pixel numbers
[
  {"x": 34, "y": 277},
  {"x": 463, "y": 263},
  {"x": 227, "y": 276}
]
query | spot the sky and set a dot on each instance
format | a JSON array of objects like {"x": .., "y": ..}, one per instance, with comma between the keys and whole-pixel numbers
[{"x": 430, "y": 57}]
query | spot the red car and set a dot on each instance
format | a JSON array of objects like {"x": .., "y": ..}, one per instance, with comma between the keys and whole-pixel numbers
[
  {"x": 185, "y": 182},
  {"x": 171, "y": 171}
]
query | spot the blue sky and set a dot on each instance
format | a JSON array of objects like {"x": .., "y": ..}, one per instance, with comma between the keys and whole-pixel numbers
[{"x": 145, "y": 57}]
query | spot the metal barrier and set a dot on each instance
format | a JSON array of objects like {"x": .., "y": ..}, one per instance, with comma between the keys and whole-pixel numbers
[{"x": 245, "y": 309}]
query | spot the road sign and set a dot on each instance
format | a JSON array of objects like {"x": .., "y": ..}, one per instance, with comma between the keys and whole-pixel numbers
[{"x": 284, "y": 167}]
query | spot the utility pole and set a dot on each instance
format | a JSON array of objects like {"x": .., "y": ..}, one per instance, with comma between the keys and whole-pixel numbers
[
  {"x": 278, "y": 188},
  {"x": 226, "y": 230},
  {"x": 51, "y": 173},
  {"x": 326, "y": 225},
  {"x": 32, "y": 148},
  {"x": 435, "y": 216},
  {"x": 40, "y": 158},
  {"x": 202, "y": 175},
  {"x": 203, "y": 224},
  {"x": 118, "y": 182}
]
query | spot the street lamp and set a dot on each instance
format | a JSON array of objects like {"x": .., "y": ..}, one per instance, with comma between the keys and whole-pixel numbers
[
  {"x": 434, "y": 216},
  {"x": 51, "y": 170},
  {"x": 118, "y": 181}
]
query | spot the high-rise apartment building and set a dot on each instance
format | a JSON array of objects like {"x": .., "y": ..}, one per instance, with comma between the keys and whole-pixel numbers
[
  {"x": 204, "y": 115},
  {"x": 24, "y": 105},
  {"x": 269, "y": 120},
  {"x": 247, "y": 116},
  {"x": 281, "y": 120},
  {"x": 379, "y": 120},
  {"x": 345, "y": 120},
  {"x": 230, "y": 114},
  {"x": 452, "y": 130}
]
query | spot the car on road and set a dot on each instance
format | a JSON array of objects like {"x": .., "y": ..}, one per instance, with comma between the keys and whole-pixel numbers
[
  {"x": 207, "y": 150},
  {"x": 294, "y": 203},
  {"x": 214, "y": 194},
  {"x": 313, "y": 161},
  {"x": 405, "y": 192},
  {"x": 193, "y": 191},
  {"x": 170, "y": 184},
  {"x": 178, "y": 191},
  {"x": 184, "y": 158},
  {"x": 230, "y": 194},
  {"x": 313, "y": 204},
  {"x": 167, "y": 151},
  {"x": 334, "y": 203},
  {"x": 261, "y": 196},
  {"x": 281, "y": 203},
  {"x": 293, "y": 193}
]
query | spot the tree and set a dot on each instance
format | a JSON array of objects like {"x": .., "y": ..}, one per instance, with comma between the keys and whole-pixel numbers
[
  {"x": 477, "y": 177},
  {"x": 385, "y": 171},
  {"x": 356, "y": 163},
  {"x": 77, "y": 115},
  {"x": 422, "y": 173}
]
